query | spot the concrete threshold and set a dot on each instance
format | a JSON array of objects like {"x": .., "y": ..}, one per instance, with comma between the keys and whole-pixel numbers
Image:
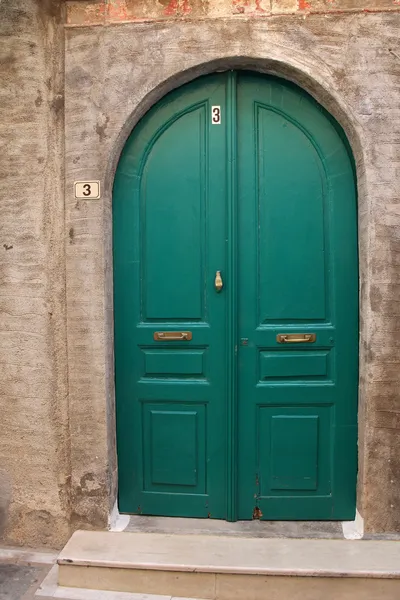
[{"x": 255, "y": 528}]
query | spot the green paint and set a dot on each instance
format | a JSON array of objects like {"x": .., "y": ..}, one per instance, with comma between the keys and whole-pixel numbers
[{"x": 218, "y": 426}]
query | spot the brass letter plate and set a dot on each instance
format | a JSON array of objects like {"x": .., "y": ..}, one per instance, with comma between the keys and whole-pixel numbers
[
  {"x": 172, "y": 336},
  {"x": 296, "y": 338}
]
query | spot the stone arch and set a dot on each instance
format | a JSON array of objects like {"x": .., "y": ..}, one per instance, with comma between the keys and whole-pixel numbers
[
  {"x": 324, "y": 93},
  {"x": 321, "y": 91}
]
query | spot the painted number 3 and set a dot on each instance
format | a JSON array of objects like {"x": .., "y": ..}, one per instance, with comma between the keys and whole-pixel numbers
[{"x": 216, "y": 115}]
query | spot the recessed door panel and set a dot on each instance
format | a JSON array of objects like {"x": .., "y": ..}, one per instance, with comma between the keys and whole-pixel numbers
[
  {"x": 174, "y": 448},
  {"x": 295, "y": 365},
  {"x": 291, "y": 198},
  {"x": 174, "y": 363},
  {"x": 294, "y": 452},
  {"x": 174, "y": 218}
]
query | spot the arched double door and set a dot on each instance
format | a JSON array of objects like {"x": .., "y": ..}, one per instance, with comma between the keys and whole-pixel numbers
[{"x": 236, "y": 306}]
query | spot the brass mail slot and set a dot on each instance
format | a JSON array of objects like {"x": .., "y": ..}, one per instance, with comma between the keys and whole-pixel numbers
[
  {"x": 296, "y": 338},
  {"x": 171, "y": 336}
]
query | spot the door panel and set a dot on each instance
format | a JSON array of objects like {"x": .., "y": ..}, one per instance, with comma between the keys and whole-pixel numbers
[
  {"x": 292, "y": 366},
  {"x": 296, "y": 400},
  {"x": 174, "y": 221},
  {"x": 291, "y": 215},
  {"x": 169, "y": 241},
  {"x": 294, "y": 451},
  {"x": 233, "y": 423},
  {"x": 174, "y": 447}
]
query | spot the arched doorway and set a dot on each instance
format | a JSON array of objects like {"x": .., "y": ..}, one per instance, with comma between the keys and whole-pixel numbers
[{"x": 236, "y": 306}]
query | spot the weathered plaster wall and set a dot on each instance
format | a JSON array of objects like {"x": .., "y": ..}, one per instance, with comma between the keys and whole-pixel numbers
[
  {"x": 351, "y": 64},
  {"x": 34, "y": 463}
]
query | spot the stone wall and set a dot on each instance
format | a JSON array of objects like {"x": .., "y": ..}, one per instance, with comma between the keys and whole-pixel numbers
[
  {"x": 34, "y": 462},
  {"x": 57, "y": 431}
]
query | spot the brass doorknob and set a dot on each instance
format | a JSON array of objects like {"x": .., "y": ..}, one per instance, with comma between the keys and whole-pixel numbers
[{"x": 219, "y": 284}]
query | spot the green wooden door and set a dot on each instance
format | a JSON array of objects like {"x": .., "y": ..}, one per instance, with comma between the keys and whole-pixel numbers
[
  {"x": 233, "y": 423},
  {"x": 169, "y": 241},
  {"x": 297, "y": 275}
]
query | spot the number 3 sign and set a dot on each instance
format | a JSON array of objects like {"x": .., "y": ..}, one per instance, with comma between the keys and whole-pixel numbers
[
  {"x": 216, "y": 115},
  {"x": 87, "y": 190}
]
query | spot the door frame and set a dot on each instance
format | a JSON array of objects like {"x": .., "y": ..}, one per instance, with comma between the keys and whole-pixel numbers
[{"x": 322, "y": 88}]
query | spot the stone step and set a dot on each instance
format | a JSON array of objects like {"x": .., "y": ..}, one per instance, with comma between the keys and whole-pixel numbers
[
  {"x": 229, "y": 568},
  {"x": 50, "y": 589}
]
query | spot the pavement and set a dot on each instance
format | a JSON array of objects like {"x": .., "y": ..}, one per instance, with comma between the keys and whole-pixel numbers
[
  {"x": 20, "y": 582},
  {"x": 22, "y": 572}
]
